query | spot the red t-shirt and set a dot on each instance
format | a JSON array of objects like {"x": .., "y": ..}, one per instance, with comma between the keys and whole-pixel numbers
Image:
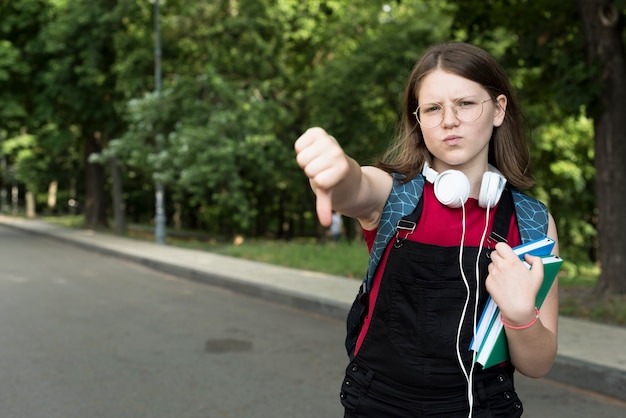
[{"x": 441, "y": 226}]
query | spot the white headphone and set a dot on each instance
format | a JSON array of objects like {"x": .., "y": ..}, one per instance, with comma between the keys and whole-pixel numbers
[{"x": 452, "y": 187}]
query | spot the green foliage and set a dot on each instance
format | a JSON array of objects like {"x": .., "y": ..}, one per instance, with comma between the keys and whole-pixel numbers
[
  {"x": 133, "y": 45},
  {"x": 541, "y": 44},
  {"x": 78, "y": 84},
  {"x": 242, "y": 79},
  {"x": 358, "y": 94},
  {"x": 27, "y": 165},
  {"x": 563, "y": 157},
  {"x": 20, "y": 25},
  {"x": 36, "y": 160}
]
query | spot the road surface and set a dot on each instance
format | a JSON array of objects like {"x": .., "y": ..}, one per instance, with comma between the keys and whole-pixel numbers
[{"x": 86, "y": 335}]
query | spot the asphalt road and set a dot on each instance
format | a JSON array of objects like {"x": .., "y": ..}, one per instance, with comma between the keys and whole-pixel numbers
[{"x": 84, "y": 335}]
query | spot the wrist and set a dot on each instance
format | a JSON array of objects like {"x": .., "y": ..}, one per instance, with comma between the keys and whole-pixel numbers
[{"x": 515, "y": 325}]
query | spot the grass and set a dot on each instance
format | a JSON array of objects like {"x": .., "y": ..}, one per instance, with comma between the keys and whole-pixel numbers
[
  {"x": 341, "y": 259},
  {"x": 577, "y": 297},
  {"x": 584, "y": 302}
]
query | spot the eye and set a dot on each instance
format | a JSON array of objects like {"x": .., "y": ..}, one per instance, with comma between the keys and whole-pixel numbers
[
  {"x": 430, "y": 108},
  {"x": 466, "y": 103}
]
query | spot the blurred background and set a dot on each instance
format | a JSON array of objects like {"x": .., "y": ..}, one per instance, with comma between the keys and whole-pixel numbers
[{"x": 175, "y": 119}]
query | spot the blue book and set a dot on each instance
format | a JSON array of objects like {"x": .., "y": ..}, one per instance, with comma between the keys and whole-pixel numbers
[{"x": 539, "y": 247}]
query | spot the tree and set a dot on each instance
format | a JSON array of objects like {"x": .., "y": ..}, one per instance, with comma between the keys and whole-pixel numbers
[
  {"x": 235, "y": 97},
  {"x": 603, "y": 25},
  {"x": 19, "y": 61},
  {"x": 79, "y": 87},
  {"x": 38, "y": 151},
  {"x": 557, "y": 81}
]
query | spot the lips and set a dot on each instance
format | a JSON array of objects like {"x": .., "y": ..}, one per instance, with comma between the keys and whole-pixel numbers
[{"x": 452, "y": 139}]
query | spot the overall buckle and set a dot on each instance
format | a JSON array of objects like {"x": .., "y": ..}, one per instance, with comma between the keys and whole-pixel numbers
[{"x": 407, "y": 227}]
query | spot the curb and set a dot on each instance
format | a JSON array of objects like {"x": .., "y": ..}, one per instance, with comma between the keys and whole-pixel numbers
[
  {"x": 592, "y": 377},
  {"x": 309, "y": 303}
]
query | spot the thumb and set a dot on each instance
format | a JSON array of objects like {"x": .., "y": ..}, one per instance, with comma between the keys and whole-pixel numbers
[
  {"x": 324, "y": 207},
  {"x": 536, "y": 266}
]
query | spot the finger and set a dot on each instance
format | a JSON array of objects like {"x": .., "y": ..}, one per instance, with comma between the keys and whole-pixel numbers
[
  {"x": 307, "y": 138},
  {"x": 496, "y": 259},
  {"x": 536, "y": 265},
  {"x": 301, "y": 143},
  {"x": 324, "y": 207},
  {"x": 310, "y": 154},
  {"x": 503, "y": 249}
]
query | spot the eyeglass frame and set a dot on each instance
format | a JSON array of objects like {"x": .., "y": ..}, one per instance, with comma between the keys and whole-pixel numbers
[{"x": 455, "y": 112}]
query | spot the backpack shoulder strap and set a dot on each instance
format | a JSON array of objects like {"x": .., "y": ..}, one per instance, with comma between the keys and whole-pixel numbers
[
  {"x": 402, "y": 200},
  {"x": 532, "y": 216}
]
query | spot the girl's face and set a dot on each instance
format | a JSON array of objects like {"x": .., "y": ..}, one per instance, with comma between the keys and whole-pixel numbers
[{"x": 458, "y": 142}]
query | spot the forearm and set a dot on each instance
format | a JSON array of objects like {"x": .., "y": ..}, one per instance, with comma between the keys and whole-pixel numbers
[
  {"x": 532, "y": 350},
  {"x": 362, "y": 193},
  {"x": 345, "y": 194}
]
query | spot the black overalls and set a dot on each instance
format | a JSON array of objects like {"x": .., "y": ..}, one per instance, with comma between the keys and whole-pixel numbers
[{"x": 407, "y": 365}]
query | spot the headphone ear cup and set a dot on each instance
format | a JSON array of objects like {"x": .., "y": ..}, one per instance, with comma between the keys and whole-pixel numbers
[
  {"x": 452, "y": 188},
  {"x": 491, "y": 189}
]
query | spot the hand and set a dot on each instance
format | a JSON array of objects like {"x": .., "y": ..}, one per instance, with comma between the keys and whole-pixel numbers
[
  {"x": 324, "y": 162},
  {"x": 512, "y": 285}
]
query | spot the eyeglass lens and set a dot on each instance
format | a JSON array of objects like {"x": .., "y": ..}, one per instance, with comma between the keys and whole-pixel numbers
[{"x": 431, "y": 115}]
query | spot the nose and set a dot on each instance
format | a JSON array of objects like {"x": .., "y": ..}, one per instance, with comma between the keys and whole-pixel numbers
[{"x": 449, "y": 116}]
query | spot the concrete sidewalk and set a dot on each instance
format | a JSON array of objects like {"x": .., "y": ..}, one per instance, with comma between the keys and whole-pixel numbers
[{"x": 591, "y": 356}]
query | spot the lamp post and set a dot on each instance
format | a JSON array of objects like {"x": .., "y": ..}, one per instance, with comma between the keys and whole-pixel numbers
[{"x": 159, "y": 222}]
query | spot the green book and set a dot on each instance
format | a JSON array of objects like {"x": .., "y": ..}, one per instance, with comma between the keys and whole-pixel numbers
[{"x": 492, "y": 346}]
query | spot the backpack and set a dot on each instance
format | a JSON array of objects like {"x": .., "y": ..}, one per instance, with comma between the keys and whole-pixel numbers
[{"x": 532, "y": 221}]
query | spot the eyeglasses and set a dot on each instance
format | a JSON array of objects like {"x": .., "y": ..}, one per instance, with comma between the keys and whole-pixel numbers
[{"x": 430, "y": 115}]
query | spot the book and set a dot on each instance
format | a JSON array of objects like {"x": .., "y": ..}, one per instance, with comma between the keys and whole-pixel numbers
[
  {"x": 539, "y": 247},
  {"x": 489, "y": 342}
]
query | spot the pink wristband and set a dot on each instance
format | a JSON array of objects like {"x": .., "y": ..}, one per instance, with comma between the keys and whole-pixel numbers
[{"x": 517, "y": 328}]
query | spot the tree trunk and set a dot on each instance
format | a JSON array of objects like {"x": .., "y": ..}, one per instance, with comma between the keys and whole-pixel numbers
[
  {"x": 117, "y": 192},
  {"x": 72, "y": 203},
  {"x": 52, "y": 196},
  {"x": 31, "y": 211},
  {"x": 603, "y": 25},
  {"x": 95, "y": 202}
]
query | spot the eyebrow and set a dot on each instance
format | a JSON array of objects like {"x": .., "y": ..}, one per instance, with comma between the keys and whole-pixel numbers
[{"x": 456, "y": 99}]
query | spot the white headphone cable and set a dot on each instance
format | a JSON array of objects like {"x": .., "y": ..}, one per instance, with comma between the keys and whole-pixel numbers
[
  {"x": 469, "y": 375},
  {"x": 470, "y": 386}
]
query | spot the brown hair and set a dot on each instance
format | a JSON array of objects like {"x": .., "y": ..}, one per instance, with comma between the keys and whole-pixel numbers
[{"x": 509, "y": 146}]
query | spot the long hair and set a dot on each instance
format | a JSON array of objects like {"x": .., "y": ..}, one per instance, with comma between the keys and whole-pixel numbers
[{"x": 509, "y": 145}]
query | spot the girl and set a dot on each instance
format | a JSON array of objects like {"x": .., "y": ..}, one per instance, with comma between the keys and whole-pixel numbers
[{"x": 460, "y": 158}]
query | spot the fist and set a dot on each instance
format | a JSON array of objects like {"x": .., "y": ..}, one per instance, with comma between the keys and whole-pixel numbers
[{"x": 324, "y": 162}]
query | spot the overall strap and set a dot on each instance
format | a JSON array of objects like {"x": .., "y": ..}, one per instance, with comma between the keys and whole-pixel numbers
[{"x": 503, "y": 218}]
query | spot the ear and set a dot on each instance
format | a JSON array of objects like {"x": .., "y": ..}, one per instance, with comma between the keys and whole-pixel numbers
[{"x": 498, "y": 116}]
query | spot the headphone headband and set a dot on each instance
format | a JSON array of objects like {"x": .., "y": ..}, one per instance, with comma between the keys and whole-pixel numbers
[{"x": 452, "y": 187}]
